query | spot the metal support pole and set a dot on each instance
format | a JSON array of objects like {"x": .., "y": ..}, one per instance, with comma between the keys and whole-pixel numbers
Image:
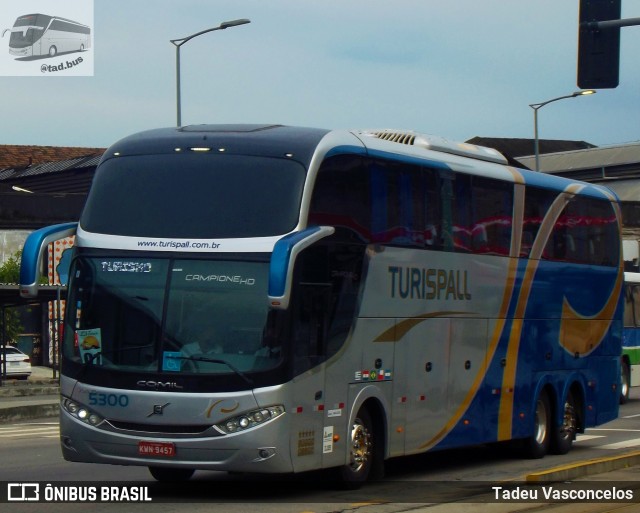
[
  {"x": 179, "y": 115},
  {"x": 179, "y": 42},
  {"x": 536, "y": 106},
  {"x": 535, "y": 137}
]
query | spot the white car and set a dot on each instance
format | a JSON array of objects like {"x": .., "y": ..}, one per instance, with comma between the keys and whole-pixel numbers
[{"x": 18, "y": 363}]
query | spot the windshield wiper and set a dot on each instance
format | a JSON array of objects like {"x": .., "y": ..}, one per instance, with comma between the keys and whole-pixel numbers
[{"x": 246, "y": 378}]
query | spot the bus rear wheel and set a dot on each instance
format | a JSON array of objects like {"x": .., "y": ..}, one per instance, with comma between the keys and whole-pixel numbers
[
  {"x": 167, "y": 474},
  {"x": 625, "y": 382},
  {"x": 565, "y": 434},
  {"x": 537, "y": 445},
  {"x": 53, "y": 51}
]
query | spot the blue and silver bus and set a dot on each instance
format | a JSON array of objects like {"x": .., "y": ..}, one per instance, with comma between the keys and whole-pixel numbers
[
  {"x": 40, "y": 34},
  {"x": 272, "y": 299}
]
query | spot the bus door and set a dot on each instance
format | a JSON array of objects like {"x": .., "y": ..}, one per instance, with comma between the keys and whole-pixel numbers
[{"x": 308, "y": 335}]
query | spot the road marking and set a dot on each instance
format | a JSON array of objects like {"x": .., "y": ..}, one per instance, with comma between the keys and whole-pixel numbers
[
  {"x": 621, "y": 445},
  {"x": 30, "y": 430},
  {"x": 584, "y": 438},
  {"x": 7, "y": 431},
  {"x": 618, "y": 430}
]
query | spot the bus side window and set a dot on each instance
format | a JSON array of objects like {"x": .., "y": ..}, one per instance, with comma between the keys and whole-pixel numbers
[
  {"x": 536, "y": 204},
  {"x": 492, "y": 211},
  {"x": 629, "y": 307},
  {"x": 432, "y": 210},
  {"x": 635, "y": 299}
]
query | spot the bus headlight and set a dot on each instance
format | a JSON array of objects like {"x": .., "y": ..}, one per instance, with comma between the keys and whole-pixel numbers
[
  {"x": 250, "y": 419},
  {"x": 80, "y": 412}
]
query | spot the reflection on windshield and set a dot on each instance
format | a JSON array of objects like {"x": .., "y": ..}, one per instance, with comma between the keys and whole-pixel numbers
[{"x": 211, "y": 319}]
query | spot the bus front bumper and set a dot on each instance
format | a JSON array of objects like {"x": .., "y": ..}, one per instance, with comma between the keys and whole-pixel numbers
[
  {"x": 263, "y": 449},
  {"x": 20, "y": 52}
]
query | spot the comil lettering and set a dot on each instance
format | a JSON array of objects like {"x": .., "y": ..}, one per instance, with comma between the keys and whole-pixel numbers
[
  {"x": 429, "y": 284},
  {"x": 221, "y": 278}
]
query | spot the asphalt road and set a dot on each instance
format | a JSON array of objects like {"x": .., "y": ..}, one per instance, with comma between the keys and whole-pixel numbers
[{"x": 29, "y": 452}]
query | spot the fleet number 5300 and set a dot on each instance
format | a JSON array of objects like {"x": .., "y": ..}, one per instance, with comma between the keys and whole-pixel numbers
[{"x": 101, "y": 399}]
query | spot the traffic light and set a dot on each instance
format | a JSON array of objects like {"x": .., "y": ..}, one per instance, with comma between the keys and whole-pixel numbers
[{"x": 598, "y": 48}]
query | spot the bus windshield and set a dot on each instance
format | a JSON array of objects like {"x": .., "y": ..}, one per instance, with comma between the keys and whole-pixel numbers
[
  {"x": 169, "y": 315},
  {"x": 190, "y": 195},
  {"x": 27, "y": 30}
]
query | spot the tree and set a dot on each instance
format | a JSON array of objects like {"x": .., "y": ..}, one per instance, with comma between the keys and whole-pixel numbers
[{"x": 10, "y": 273}]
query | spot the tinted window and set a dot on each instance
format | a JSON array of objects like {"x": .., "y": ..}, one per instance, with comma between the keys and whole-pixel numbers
[
  {"x": 64, "y": 26},
  {"x": 492, "y": 214},
  {"x": 631, "y": 305},
  {"x": 397, "y": 204},
  {"x": 194, "y": 196},
  {"x": 585, "y": 233},
  {"x": 342, "y": 196},
  {"x": 536, "y": 204},
  {"x": 477, "y": 214},
  {"x": 402, "y": 204}
]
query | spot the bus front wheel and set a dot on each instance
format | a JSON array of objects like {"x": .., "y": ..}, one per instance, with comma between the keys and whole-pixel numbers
[
  {"x": 53, "y": 51},
  {"x": 167, "y": 474},
  {"x": 537, "y": 445},
  {"x": 361, "y": 452}
]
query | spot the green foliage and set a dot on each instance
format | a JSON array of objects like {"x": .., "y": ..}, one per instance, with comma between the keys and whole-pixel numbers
[
  {"x": 10, "y": 273},
  {"x": 10, "y": 270}
]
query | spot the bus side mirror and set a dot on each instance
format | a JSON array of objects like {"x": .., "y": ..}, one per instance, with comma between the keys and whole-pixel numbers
[
  {"x": 33, "y": 252},
  {"x": 283, "y": 259}
]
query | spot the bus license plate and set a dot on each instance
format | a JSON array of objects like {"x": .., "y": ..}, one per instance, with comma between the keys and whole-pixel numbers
[{"x": 165, "y": 449}]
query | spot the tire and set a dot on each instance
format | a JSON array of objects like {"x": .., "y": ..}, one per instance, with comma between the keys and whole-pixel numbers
[
  {"x": 537, "y": 445},
  {"x": 362, "y": 452},
  {"x": 167, "y": 474},
  {"x": 625, "y": 382},
  {"x": 565, "y": 433},
  {"x": 53, "y": 51}
]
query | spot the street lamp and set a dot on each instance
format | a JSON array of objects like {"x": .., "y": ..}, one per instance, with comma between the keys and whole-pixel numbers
[
  {"x": 536, "y": 106},
  {"x": 179, "y": 42}
]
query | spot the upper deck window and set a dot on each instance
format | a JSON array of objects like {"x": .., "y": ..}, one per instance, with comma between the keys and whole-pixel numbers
[{"x": 194, "y": 196}]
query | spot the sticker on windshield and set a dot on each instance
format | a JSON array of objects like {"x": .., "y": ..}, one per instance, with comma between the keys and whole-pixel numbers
[
  {"x": 171, "y": 361},
  {"x": 90, "y": 345}
]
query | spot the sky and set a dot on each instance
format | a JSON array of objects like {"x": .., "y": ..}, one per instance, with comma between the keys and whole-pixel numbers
[{"x": 453, "y": 68}]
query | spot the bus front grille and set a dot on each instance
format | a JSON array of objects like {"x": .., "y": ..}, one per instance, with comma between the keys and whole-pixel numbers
[{"x": 164, "y": 429}]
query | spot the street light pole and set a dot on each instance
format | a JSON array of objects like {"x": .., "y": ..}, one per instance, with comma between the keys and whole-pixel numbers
[
  {"x": 179, "y": 42},
  {"x": 537, "y": 106}
]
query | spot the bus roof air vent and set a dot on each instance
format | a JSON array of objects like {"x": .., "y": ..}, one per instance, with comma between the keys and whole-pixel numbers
[
  {"x": 436, "y": 143},
  {"x": 394, "y": 136}
]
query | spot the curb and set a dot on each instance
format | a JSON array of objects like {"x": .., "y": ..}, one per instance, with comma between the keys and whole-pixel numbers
[
  {"x": 29, "y": 411},
  {"x": 585, "y": 468},
  {"x": 31, "y": 390}
]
